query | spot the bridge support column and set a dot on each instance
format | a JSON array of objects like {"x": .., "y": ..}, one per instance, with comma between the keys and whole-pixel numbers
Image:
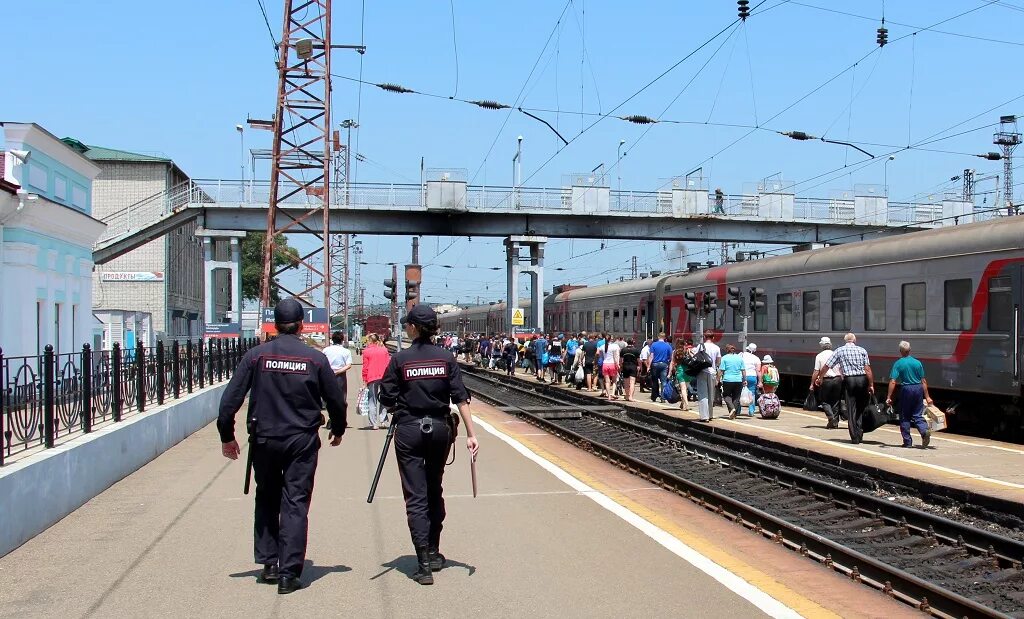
[
  {"x": 535, "y": 270},
  {"x": 211, "y": 265}
]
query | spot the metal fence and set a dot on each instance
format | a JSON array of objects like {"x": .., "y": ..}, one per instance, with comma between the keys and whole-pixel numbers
[{"x": 45, "y": 398}]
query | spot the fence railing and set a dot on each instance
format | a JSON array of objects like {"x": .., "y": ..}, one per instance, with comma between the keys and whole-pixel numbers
[{"x": 46, "y": 398}]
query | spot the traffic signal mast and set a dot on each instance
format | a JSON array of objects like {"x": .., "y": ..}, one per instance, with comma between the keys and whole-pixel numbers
[{"x": 708, "y": 303}]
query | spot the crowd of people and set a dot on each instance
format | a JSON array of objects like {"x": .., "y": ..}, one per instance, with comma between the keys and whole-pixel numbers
[{"x": 736, "y": 378}]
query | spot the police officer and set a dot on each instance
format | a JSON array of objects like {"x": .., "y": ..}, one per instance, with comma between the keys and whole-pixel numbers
[
  {"x": 289, "y": 380},
  {"x": 418, "y": 387}
]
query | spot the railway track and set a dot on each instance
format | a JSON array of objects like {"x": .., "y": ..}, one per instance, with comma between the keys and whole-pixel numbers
[{"x": 940, "y": 566}]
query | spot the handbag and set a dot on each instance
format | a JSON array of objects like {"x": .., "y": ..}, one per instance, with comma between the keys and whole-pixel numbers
[
  {"x": 811, "y": 401},
  {"x": 669, "y": 393},
  {"x": 363, "y": 402},
  {"x": 578, "y": 376},
  {"x": 875, "y": 416},
  {"x": 746, "y": 397},
  {"x": 698, "y": 362}
]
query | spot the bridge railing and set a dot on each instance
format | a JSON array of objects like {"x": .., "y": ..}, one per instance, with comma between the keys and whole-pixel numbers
[
  {"x": 47, "y": 399},
  {"x": 152, "y": 208}
]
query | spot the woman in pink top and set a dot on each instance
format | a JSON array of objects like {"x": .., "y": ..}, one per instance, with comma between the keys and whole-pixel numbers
[{"x": 375, "y": 361}]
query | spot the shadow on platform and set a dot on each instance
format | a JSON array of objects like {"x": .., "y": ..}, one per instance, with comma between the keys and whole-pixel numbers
[
  {"x": 406, "y": 564},
  {"x": 310, "y": 573}
]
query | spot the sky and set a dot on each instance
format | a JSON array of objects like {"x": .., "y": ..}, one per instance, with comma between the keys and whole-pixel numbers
[{"x": 175, "y": 79}]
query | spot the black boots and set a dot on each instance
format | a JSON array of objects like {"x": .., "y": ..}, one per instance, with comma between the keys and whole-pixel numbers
[
  {"x": 269, "y": 575},
  {"x": 423, "y": 573},
  {"x": 436, "y": 559}
]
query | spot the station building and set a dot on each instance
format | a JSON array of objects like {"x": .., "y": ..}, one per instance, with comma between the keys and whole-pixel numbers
[
  {"x": 47, "y": 230},
  {"x": 156, "y": 291}
]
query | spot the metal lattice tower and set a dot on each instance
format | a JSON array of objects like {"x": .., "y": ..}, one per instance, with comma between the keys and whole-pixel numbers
[
  {"x": 1008, "y": 138},
  {"x": 301, "y": 157},
  {"x": 357, "y": 279}
]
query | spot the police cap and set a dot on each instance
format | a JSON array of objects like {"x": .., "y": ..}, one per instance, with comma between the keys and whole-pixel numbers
[
  {"x": 288, "y": 310},
  {"x": 421, "y": 315}
]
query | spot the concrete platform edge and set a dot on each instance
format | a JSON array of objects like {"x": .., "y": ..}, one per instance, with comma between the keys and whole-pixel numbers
[{"x": 44, "y": 488}]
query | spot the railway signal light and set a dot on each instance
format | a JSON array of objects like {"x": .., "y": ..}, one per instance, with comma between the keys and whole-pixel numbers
[
  {"x": 412, "y": 291},
  {"x": 691, "y": 301},
  {"x": 757, "y": 299},
  {"x": 710, "y": 302},
  {"x": 734, "y": 297},
  {"x": 390, "y": 287}
]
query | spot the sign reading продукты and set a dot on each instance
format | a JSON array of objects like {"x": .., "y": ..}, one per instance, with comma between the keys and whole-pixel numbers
[
  {"x": 132, "y": 276},
  {"x": 314, "y": 320}
]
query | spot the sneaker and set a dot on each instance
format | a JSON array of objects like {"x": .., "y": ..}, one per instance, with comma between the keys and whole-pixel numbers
[{"x": 926, "y": 438}]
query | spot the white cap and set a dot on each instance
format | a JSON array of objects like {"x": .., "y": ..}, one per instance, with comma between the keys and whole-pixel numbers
[
  {"x": 751, "y": 347},
  {"x": 824, "y": 340},
  {"x": 767, "y": 359}
]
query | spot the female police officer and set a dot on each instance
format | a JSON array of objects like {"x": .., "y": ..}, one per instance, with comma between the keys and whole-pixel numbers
[{"x": 418, "y": 388}]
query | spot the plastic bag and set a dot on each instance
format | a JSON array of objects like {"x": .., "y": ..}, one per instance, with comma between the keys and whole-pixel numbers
[
  {"x": 363, "y": 402},
  {"x": 579, "y": 375},
  {"x": 746, "y": 398},
  {"x": 811, "y": 401}
]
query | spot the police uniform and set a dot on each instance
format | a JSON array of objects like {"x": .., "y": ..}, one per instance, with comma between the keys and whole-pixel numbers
[
  {"x": 418, "y": 387},
  {"x": 288, "y": 382}
]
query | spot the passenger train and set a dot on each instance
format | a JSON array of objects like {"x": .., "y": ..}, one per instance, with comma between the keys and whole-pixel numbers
[{"x": 954, "y": 293}]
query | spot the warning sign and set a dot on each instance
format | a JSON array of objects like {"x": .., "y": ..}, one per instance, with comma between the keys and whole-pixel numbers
[{"x": 518, "y": 319}]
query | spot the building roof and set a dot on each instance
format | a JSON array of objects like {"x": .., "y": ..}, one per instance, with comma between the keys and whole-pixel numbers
[{"x": 101, "y": 153}]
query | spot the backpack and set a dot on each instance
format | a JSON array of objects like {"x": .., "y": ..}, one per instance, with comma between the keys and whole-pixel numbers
[{"x": 770, "y": 376}]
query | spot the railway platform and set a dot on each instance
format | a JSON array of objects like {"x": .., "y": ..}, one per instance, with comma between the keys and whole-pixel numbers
[
  {"x": 553, "y": 532},
  {"x": 978, "y": 470}
]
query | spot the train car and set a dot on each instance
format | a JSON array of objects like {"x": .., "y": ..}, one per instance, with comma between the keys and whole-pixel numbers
[
  {"x": 626, "y": 309},
  {"x": 381, "y": 325},
  {"x": 488, "y": 319},
  {"x": 954, "y": 293}
]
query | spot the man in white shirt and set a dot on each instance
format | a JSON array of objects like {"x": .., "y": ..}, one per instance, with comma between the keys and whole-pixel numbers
[
  {"x": 341, "y": 359},
  {"x": 830, "y": 389},
  {"x": 707, "y": 380},
  {"x": 645, "y": 366}
]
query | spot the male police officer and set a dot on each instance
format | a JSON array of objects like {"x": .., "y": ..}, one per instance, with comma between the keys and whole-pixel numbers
[
  {"x": 289, "y": 380},
  {"x": 419, "y": 386}
]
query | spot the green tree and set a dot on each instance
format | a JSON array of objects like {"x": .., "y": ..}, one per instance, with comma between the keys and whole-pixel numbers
[{"x": 252, "y": 264}]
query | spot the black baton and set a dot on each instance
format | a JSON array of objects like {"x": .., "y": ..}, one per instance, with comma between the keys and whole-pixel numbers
[
  {"x": 248, "y": 468},
  {"x": 380, "y": 465}
]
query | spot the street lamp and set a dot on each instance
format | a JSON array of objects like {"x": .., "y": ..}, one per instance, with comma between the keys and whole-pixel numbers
[
  {"x": 517, "y": 169},
  {"x": 241, "y": 141},
  {"x": 885, "y": 174},
  {"x": 618, "y": 167}
]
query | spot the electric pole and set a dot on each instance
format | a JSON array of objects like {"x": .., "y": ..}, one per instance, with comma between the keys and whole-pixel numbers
[
  {"x": 1008, "y": 138},
  {"x": 632, "y": 269}
]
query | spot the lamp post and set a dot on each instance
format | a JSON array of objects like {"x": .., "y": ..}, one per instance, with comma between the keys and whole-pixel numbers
[
  {"x": 241, "y": 143},
  {"x": 517, "y": 169},
  {"x": 885, "y": 174},
  {"x": 618, "y": 169}
]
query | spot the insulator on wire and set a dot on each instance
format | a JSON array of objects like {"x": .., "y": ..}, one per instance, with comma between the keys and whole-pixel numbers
[
  {"x": 743, "y": 8},
  {"x": 394, "y": 88},
  {"x": 490, "y": 105},
  {"x": 883, "y": 36},
  {"x": 639, "y": 119}
]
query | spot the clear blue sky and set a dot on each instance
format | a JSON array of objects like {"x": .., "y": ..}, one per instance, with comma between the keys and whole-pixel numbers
[{"x": 175, "y": 78}]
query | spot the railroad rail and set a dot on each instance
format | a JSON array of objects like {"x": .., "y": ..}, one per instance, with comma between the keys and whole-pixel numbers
[{"x": 938, "y": 565}]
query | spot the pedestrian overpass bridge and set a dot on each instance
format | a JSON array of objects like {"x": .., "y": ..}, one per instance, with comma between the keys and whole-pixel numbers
[{"x": 770, "y": 213}]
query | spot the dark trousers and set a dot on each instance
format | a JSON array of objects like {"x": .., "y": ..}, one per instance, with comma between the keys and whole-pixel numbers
[
  {"x": 658, "y": 377},
  {"x": 421, "y": 459},
  {"x": 829, "y": 394},
  {"x": 284, "y": 469},
  {"x": 912, "y": 412},
  {"x": 856, "y": 401},
  {"x": 731, "y": 395}
]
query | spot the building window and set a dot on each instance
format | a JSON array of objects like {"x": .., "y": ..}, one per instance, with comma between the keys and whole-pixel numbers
[
  {"x": 1000, "y": 304},
  {"x": 812, "y": 310},
  {"x": 841, "y": 318},
  {"x": 39, "y": 327},
  {"x": 784, "y": 315},
  {"x": 874, "y": 308},
  {"x": 914, "y": 314}
]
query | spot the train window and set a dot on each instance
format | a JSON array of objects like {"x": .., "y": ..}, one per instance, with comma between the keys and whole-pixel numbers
[
  {"x": 784, "y": 307},
  {"x": 616, "y": 321},
  {"x": 1000, "y": 304},
  {"x": 874, "y": 308},
  {"x": 812, "y": 310},
  {"x": 737, "y": 320},
  {"x": 634, "y": 321},
  {"x": 958, "y": 305},
  {"x": 914, "y": 314},
  {"x": 761, "y": 318},
  {"x": 841, "y": 310},
  {"x": 607, "y": 323}
]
